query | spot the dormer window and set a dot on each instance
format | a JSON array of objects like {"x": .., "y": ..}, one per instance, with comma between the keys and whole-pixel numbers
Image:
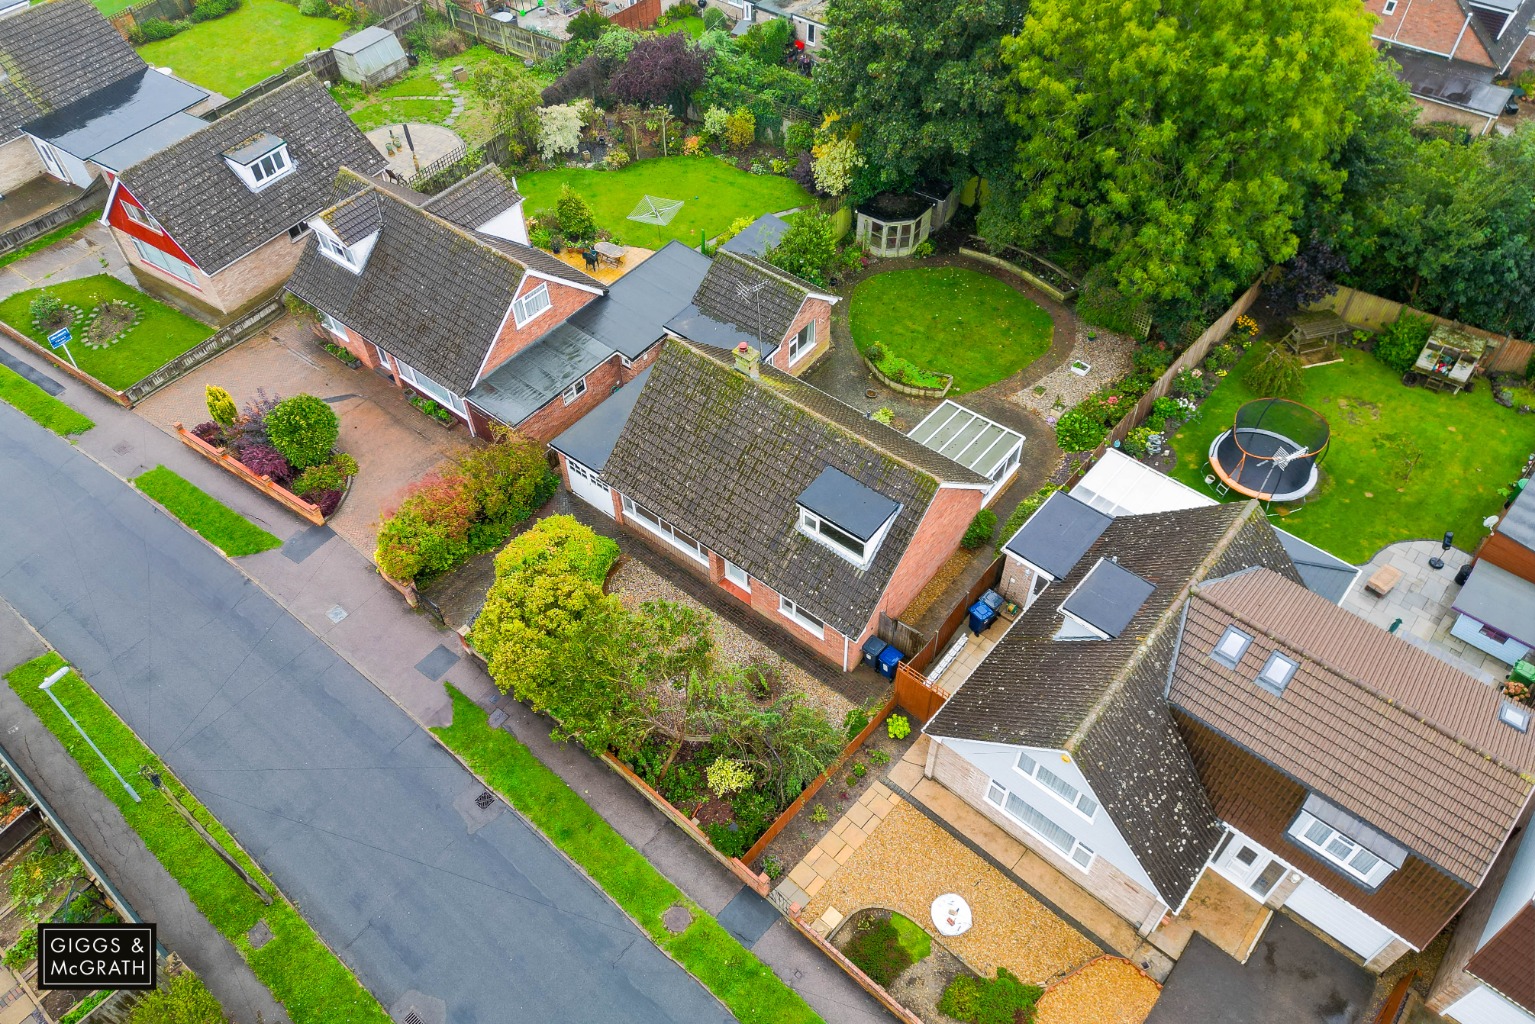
[
  {"x": 840, "y": 513},
  {"x": 335, "y": 250},
  {"x": 260, "y": 160},
  {"x": 1348, "y": 844}
]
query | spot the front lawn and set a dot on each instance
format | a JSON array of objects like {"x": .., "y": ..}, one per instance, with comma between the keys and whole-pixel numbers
[
  {"x": 950, "y": 320},
  {"x": 312, "y": 984},
  {"x": 713, "y": 192},
  {"x": 1470, "y": 446},
  {"x": 161, "y": 334},
  {"x": 233, "y": 53},
  {"x": 43, "y": 408},
  {"x": 215, "y": 522}
]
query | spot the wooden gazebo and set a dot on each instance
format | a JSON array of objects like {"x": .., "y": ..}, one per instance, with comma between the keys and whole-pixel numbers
[{"x": 1316, "y": 333}]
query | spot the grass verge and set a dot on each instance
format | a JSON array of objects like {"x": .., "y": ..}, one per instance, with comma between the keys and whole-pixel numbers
[
  {"x": 737, "y": 978},
  {"x": 42, "y": 407},
  {"x": 301, "y": 971},
  {"x": 218, "y": 524},
  {"x": 233, "y": 53},
  {"x": 42, "y": 242}
]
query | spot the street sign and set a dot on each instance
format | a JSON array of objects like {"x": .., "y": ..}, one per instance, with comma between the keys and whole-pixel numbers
[{"x": 60, "y": 338}]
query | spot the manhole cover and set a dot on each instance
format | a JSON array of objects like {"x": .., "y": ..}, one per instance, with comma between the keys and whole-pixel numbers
[
  {"x": 336, "y": 614},
  {"x": 123, "y": 448},
  {"x": 677, "y": 918},
  {"x": 484, "y": 800},
  {"x": 259, "y": 935},
  {"x": 413, "y": 1018}
]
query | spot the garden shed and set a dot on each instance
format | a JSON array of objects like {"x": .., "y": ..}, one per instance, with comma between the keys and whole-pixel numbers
[
  {"x": 894, "y": 225},
  {"x": 370, "y": 57}
]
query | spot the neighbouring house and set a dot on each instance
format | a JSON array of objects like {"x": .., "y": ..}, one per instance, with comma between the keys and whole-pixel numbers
[
  {"x": 77, "y": 101},
  {"x": 1452, "y": 51},
  {"x": 1495, "y": 610},
  {"x": 370, "y": 57},
  {"x": 806, "y": 18},
  {"x": 1175, "y": 701},
  {"x": 217, "y": 221},
  {"x": 817, "y": 518}
]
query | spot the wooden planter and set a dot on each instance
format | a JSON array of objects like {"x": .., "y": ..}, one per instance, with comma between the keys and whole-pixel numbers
[
  {"x": 262, "y": 483},
  {"x": 907, "y": 389}
]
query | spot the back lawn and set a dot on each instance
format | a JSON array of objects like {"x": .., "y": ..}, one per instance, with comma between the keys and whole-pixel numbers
[
  {"x": 416, "y": 97},
  {"x": 1465, "y": 447},
  {"x": 713, "y": 193},
  {"x": 161, "y": 334},
  {"x": 233, "y": 53}
]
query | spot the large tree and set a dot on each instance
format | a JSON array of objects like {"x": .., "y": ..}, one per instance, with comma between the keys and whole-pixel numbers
[
  {"x": 1180, "y": 139},
  {"x": 660, "y": 69},
  {"x": 919, "y": 82}
]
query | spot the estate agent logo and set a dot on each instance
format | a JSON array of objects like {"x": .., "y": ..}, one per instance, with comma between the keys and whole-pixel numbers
[{"x": 95, "y": 956}]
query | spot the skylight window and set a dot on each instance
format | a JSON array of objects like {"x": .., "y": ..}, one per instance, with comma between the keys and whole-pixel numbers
[
  {"x": 1514, "y": 716},
  {"x": 1231, "y": 646},
  {"x": 1277, "y": 673}
]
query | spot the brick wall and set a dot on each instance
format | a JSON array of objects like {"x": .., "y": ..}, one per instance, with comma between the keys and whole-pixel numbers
[
  {"x": 817, "y": 311},
  {"x": 937, "y": 538},
  {"x": 19, "y": 164},
  {"x": 555, "y": 417},
  {"x": 564, "y": 300},
  {"x": 1104, "y": 882},
  {"x": 258, "y": 275},
  {"x": 638, "y": 365}
]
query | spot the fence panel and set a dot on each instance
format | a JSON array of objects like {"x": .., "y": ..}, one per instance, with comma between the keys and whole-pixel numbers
[
  {"x": 1508, "y": 355},
  {"x": 1511, "y": 356},
  {"x": 503, "y": 36},
  {"x": 899, "y": 635},
  {"x": 914, "y": 693},
  {"x": 637, "y": 17}
]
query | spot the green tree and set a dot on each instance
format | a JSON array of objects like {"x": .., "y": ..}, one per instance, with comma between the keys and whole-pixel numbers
[
  {"x": 221, "y": 406},
  {"x": 180, "y": 999},
  {"x": 1180, "y": 140},
  {"x": 1276, "y": 373},
  {"x": 587, "y": 25},
  {"x": 511, "y": 100},
  {"x": 808, "y": 249},
  {"x": 574, "y": 214}
]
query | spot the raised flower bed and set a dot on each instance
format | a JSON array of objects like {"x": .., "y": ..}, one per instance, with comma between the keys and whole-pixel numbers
[
  {"x": 1038, "y": 271},
  {"x": 905, "y": 378}
]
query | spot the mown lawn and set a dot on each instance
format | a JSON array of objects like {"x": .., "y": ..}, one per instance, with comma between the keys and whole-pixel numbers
[
  {"x": 1368, "y": 498},
  {"x": 751, "y": 991},
  {"x": 214, "y": 521},
  {"x": 43, "y": 408},
  {"x": 161, "y": 334},
  {"x": 951, "y": 320},
  {"x": 713, "y": 193},
  {"x": 416, "y": 97},
  {"x": 42, "y": 242},
  {"x": 233, "y": 53},
  {"x": 302, "y": 973}
]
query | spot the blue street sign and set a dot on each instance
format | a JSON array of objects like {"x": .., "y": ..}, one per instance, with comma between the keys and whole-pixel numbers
[{"x": 59, "y": 338}]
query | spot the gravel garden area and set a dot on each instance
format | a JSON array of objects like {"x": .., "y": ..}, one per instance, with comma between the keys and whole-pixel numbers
[
  {"x": 1109, "y": 990},
  {"x": 1108, "y": 355}
]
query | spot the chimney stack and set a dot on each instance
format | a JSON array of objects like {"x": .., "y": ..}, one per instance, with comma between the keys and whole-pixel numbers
[{"x": 748, "y": 360}]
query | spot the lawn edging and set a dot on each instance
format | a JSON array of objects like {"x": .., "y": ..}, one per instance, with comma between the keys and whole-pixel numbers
[
  {"x": 39, "y": 406},
  {"x": 296, "y": 965},
  {"x": 203, "y": 514},
  {"x": 907, "y": 389},
  {"x": 740, "y": 981}
]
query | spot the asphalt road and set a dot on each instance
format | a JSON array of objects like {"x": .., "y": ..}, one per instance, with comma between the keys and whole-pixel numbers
[{"x": 361, "y": 818}]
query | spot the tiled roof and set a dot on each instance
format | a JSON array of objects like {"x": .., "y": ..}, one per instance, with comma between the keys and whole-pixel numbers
[
  {"x": 1518, "y": 523},
  {"x": 1384, "y": 729},
  {"x": 355, "y": 218},
  {"x": 483, "y": 195},
  {"x": 541, "y": 262},
  {"x": 53, "y": 54},
  {"x": 724, "y": 458},
  {"x": 1502, "y": 40},
  {"x": 206, "y": 207},
  {"x": 1507, "y": 961},
  {"x": 431, "y": 293},
  {"x": 751, "y": 295}
]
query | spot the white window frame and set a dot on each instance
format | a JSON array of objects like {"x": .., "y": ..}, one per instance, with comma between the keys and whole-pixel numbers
[
  {"x": 1231, "y": 660},
  {"x": 270, "y": 167},
  {"x": 652, "y": 522},
  {"x": 802, "y": 343},
  {"x": 1034, "y": 773},
  {"x": 1079, "y": 854},
  {"x": 166, "y": 263},
  {"x": 523, "y": 311},
  {"x": 1320, "y": 838},
  {"x": 1389, "y": 9},
  {"x": 791, "y": 610},
  {"x": 142, "y": 217},
  {"x": 1515, "y": 716},
  {"x": 574, "y": 392},
  {"x": 737, "y": 575},
  {"x": 335, "y": 251},
  {"x": 430, "y": 388},
  {"x": 810, "y": 33},
  {"x": 333, "y": 325},
  {"x": 816, "y": 528}
]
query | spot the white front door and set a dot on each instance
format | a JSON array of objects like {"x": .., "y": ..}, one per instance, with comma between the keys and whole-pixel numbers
[
  {"x": 587, "y": 485},
  {"x": 1250, "y": 866}
]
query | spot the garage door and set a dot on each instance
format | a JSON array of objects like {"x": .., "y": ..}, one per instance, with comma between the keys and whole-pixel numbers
[
  {"x": 1339, "y": 918},
  {"x": 588, "y": 486}
]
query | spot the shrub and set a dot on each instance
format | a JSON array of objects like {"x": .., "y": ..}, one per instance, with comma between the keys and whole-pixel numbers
[
  {"x": 23, "y": 952},
  {"x": 328, "y": 476},
  {"x": 314, "y": 8},
  {"x": 1529, "y": 370},
  {"x": 564, "y": 542},
  {"x": 980, "y": 530},
  {"x": 508, "y": 480},
  {"x": 154, "y": 29},
  {"x": 798, "y": 138},
  {"x": 877, "y": 951},
  {"x": 740, "y": 129},
  {"x": 854, "y": 722},
  {"x": 716, "y": 120},
  {"x": 616, "y": 160},
  {"x": 180, "y": 999},
  {"x": 884, "y": 414},
  {"x": 540, "y": 238},
  {"x": 819, "y": 814},
  {"x": 1276, "y": 373},
  {"x": 210, "y": 432},
  {"x": 304, "y": 429},
  {"x": 588, "y": 25},
  {"x": 898, "y": 727},
  {"x": 221, "y": 406},
  {"x": 714, "y": 19},
  {"x": 731, "y": 844},
  {"x": 575, "y": 216},
  {"x": 429, "y": 533},
  {"x": 1398, "y": 344},
  {"x": 1026, "y": 508},
  {"x": 1138, "y": 442},
  {"x": 1153, "y": 357},
  {"x": 1077, "y": 432},
  {"x": 1162, "y": 410},
  {"x": 207, "y": 10},
  {"x": 726, "y": 775},
  {"x": 1002, "y": 1000},
  {"x": 923, "y": 250},
  {"x": 46, "y": 309},
  {"x": 265, "y": 460},
  {"x": 737, "y": 226},
  {"x": 879, "y": 757}
]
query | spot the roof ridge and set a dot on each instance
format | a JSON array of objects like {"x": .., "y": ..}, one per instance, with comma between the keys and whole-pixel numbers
[
  {"x": 467, "y": 235},
  {"x": 783, "y": 276},
  {"x": 460, "y": 183},
  {"x": 1366, "y": 687}
]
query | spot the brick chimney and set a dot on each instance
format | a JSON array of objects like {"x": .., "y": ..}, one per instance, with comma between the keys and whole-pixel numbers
[{"x": 748, "y": 360}]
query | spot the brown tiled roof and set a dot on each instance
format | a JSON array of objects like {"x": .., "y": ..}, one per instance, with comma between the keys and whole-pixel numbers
[
  {"x": 1507, "y": 961},
  {"x": 1393, "y": 734}
]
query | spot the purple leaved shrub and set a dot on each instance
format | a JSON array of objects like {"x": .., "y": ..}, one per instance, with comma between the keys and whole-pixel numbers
[{"x": 264, "y": 460}]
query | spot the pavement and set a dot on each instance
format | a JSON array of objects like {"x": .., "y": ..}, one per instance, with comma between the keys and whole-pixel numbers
[
  {"x": 358, "y": 865},
  {"x": 1292, "y": 977},
  {"x": 88, "y": 252}
]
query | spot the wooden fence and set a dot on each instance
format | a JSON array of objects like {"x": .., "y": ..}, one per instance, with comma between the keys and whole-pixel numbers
[
  {"x": 638, "y": 16},
  {"x": 920, "y": 660},
  {"x": 93, "y": 198},
  {"x": 127, "y": 19},
  {"x": 916, "y": 694},
  {"x": 503, "y": 36},
  {"x": 320, "y": 63},
  {"x": 1511, "y": 355}
]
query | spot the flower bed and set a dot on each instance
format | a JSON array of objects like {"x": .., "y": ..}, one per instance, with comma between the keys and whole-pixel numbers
[
  {"x": 904, "y": 377},
  {"x": 1036, "y": 270}
]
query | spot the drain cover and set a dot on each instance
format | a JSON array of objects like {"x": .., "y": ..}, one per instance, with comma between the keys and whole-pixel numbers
[
  {"x": 484, "y": 800},
  {"x": 336, "y": 614},
  {"x": 413, "y": 1018},
  {"x": 122, "y": 448}
]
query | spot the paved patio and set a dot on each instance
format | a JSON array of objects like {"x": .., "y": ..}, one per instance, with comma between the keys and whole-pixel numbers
[
  {"x": 432, "y": 142},
  {"x": 1421, "y": 603},
  {"x": 86, "y": 253},
  {"x": 606, "y": 272}
]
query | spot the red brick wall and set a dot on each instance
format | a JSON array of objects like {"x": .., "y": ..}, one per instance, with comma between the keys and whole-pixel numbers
[
  {"x": 638, "y": 365},
  {"x": 565, "y": 300},
  {"x": 552, "y": 420},
  {"x": 359, "y": 347},
  {"x": 937, "y": 538},
  {"x": 819, "y": 311},
  {"x": 1433, "y": 25}
]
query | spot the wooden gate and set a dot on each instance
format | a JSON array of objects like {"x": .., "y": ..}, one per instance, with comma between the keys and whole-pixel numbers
[{"x": 916, "y": 695}]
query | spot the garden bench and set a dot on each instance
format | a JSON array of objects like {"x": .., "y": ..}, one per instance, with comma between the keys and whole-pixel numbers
[{"x": 1382, "y": 580}]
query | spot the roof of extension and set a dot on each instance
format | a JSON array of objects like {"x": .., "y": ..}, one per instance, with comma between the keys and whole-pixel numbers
[
  {"x": 1378, "y": 726},
  {"x": 633, "y": 316},
  {"x": 1518, "y": 523},
  {"x": 479, "y": 198},
  {"x": 116, "y": 113},
  {"x": 53, "y": 54},
  {"x": 1103, "y": 699},
  {"x": 1058, "y": 534},
  {"x": 743, "y": 298},
  {"x": 1496, "y": 597},
  {"x": 725, "y": 459},
  {"x": 206, "y": 207},
  {"x": 529, "y": 380},
  {"x": 1504, "y": 962},
  {"x": 759, "y": 236}
]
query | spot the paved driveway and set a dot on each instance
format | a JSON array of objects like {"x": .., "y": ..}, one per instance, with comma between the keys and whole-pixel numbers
[
  {"x": 363, "y": 820},
  {"x": 1292, "y": 977}
]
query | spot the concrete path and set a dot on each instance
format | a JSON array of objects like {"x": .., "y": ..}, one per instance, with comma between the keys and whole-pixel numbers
[
  {"x": 337, "y": 595},
  {"x": 89, "y": 252},
  {"x": 98, "y": 825}
]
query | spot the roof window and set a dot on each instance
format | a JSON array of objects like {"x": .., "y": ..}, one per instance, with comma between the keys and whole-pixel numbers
[
  {"x": 1231, "y": 646},
  {"x": 1515, "y": 716},
  {"x": 1277, "y": 673},
  {"x": 844, "y": 515},
  {"x": 260, "y": 160}
]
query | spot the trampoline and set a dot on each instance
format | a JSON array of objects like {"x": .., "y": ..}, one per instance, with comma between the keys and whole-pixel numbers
[{"x": 1272, "y": 450}]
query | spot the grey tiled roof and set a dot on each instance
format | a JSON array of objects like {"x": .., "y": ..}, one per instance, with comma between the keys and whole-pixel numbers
[
  {"x": 724, "y": 458},
  {"x": 542, "y": 262},
  {"x": 470, "y": 203},
  {"x": 53, "y": 54},
  {"x": 355, "y": 218},
  {"x": 1501, "y": 44},
  {"x": 205, "y": 206},
  {"x": 751, "y": 295},
  {"x": 431, "y": 293}
]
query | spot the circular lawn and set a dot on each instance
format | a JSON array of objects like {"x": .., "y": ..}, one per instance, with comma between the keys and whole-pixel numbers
[{"x": 950, "y": 320}]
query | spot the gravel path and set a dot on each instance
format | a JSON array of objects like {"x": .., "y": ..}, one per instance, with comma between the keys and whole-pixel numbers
[
  {"x": 635, "y": 582},
  {"x": 909, "y": 861},
  {"x": 1108, "y": 990},
  {"x": 1108, "y": 354}
]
